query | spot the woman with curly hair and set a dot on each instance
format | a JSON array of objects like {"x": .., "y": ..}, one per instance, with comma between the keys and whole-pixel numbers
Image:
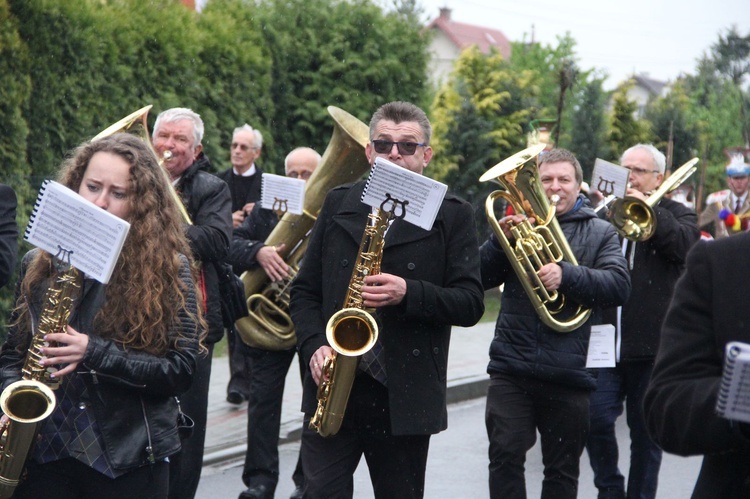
[{"x": 130, "y": 345}]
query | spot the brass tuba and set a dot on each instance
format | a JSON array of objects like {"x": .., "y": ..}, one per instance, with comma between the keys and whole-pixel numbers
[
  {"x": 536, "y": 245},
  {"x": 635, "y": 219},
  {"x": 352, "y": 331},
  {"x": 269, "y": 325}
]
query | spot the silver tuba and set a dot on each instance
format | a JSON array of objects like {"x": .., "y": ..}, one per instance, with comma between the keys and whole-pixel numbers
[{"x": 269, "y": 325}]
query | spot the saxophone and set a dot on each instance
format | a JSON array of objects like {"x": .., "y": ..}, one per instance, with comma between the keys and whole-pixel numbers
[
  {"x": 30, "y": 401},
  {"x": 352, "y": 331}
]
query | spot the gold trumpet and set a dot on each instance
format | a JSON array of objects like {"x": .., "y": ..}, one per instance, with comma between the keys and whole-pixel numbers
[
  {"x": 635, "y": 219},
  {"x": 536, "y": 245}
]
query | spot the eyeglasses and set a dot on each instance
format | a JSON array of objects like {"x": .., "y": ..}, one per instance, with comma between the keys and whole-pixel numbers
[
  {"x": 641, "y": 171},
  {"x": 304, "y": 175},
  {"x": 404, "y": 148}
]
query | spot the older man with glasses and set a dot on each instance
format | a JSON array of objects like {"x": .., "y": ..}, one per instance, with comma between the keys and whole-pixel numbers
[{"x": 654, "y": 265}]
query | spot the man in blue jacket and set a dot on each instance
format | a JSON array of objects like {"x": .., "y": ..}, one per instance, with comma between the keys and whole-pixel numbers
[{"x": 538, "y": 376}]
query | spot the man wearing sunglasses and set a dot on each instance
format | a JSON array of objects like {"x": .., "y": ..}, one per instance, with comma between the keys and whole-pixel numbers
[{"x": 429, "y": 281}]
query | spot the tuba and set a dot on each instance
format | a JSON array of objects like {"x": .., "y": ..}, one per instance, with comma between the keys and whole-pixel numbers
[
  {"x": 536, "y": 245},
  {"x": 635, "y": 219},
  {"x": 269, "y": 325},
  {"x": 352, "y": 331}
]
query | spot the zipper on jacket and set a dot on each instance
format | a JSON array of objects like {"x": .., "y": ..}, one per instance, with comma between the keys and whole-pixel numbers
[{"x": 149, "y": 447}]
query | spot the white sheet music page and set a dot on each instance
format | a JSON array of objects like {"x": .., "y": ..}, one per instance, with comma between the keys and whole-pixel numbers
[
  {"x": 601, "y": 346},
  {"x": 423, "y": 194},
  {"x": 64, "y": 219},
  {"x": 609, "y": 178},
  {"x": 281, "y": 193}
]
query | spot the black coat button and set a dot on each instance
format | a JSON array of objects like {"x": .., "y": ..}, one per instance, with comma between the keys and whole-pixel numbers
[
  {"x": 415, "y": 352},
  {"x": 411, "y": 266}
]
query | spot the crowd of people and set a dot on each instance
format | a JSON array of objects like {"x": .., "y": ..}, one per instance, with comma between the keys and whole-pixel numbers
[{"x": 133, "y": 357}]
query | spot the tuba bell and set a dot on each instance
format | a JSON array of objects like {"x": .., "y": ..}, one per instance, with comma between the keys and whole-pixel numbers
[
  {"x": 269, "y": 325},
  {"x": 635, "y": 219},
  {"x": 535, "y": 245}
]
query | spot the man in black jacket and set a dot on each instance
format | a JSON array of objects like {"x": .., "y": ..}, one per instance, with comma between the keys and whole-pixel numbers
[
  {"x": 428, "y": 282},
  {"x": 8, "y": 233},
  {"x": 209, "y": 230},
  {"x": 538, "y": 376},
  {"x": 654, "y": 265},
  {"x": 709, "y": 309},
  {"x": 244, "y": 180},
  {"x": 269, "y": 367}
]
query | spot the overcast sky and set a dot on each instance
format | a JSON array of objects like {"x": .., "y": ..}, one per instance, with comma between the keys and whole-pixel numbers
[{"x": 660, "y": 37}]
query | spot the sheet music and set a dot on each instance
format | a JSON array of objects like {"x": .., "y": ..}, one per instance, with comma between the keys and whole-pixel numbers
[
  {"x": 283, "y": 194},
  {"x": 423, "y": 194},
  {"x": 610, "y": 179},
  {"x": 64, "y": 219},
  {"x": 601, "y": 346}
]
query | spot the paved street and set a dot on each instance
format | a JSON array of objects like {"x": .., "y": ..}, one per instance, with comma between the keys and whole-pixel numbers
[
  {"x": 457, "y": 463},
  {"x": 457, "y": 466}
]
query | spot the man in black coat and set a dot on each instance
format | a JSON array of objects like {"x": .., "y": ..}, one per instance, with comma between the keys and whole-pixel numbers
[
  {"x": 538, "y": 376},
  {"x": 8, "y": 233},
  {"x": 208, "y": 204},
  {"x": 244, "y": 180},
  {"x": 654, "y": 265},
  {"x": 429, "y": 281},
  {"x": 709, "y": 309},
  {"x": 247, "y": 252}
]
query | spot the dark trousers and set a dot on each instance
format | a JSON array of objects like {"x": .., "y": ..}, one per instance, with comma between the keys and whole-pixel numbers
[
  {"x": 239, "y": 364},
  {"x": 185, "y": 466},
  {"x": 396, "y": 463},
  {"x": 626, "y": 382},
  {"x": 264, "y": 417},
  {"x": 71, "y": 479},
  {"x": 516, "y": 409}
]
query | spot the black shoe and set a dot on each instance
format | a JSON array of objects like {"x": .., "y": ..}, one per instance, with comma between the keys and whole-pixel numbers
[
  {"x": 235, "y": 398},
  {"x": 257, "y": 492},
  {"x": 298, "y": 493}
]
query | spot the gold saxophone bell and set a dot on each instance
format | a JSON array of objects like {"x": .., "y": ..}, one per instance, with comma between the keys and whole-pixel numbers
[
  {"x": 268, "y": 325},
  {"x": 536, "y": 245},
  {"x": 635, "y": 219}
]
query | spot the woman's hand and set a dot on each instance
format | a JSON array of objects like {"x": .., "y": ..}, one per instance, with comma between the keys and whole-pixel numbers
[{"x": 70, "y": 347}]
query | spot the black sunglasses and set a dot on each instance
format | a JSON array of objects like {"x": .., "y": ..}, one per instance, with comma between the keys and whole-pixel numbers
[{"x": 404, "y": 148}]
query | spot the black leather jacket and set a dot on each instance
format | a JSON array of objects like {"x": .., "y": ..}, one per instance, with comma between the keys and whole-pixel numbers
[{"x": 131, "y": 393}]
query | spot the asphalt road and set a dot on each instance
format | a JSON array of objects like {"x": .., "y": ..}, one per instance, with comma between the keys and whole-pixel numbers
[{"x": 457, "y": 465}]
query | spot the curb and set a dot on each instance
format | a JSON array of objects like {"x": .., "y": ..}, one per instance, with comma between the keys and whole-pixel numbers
[{"x": 457, "y": 391}]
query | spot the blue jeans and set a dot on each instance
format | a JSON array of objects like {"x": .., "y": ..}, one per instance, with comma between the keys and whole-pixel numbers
[{"x": 626, "y": 382}]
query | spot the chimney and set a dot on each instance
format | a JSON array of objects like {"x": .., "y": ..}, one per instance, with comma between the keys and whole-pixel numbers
[{"x": 445, "y": 13}]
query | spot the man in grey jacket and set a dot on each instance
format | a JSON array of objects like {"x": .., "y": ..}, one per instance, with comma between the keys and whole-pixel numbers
[{"x": 538, "y": 375}]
